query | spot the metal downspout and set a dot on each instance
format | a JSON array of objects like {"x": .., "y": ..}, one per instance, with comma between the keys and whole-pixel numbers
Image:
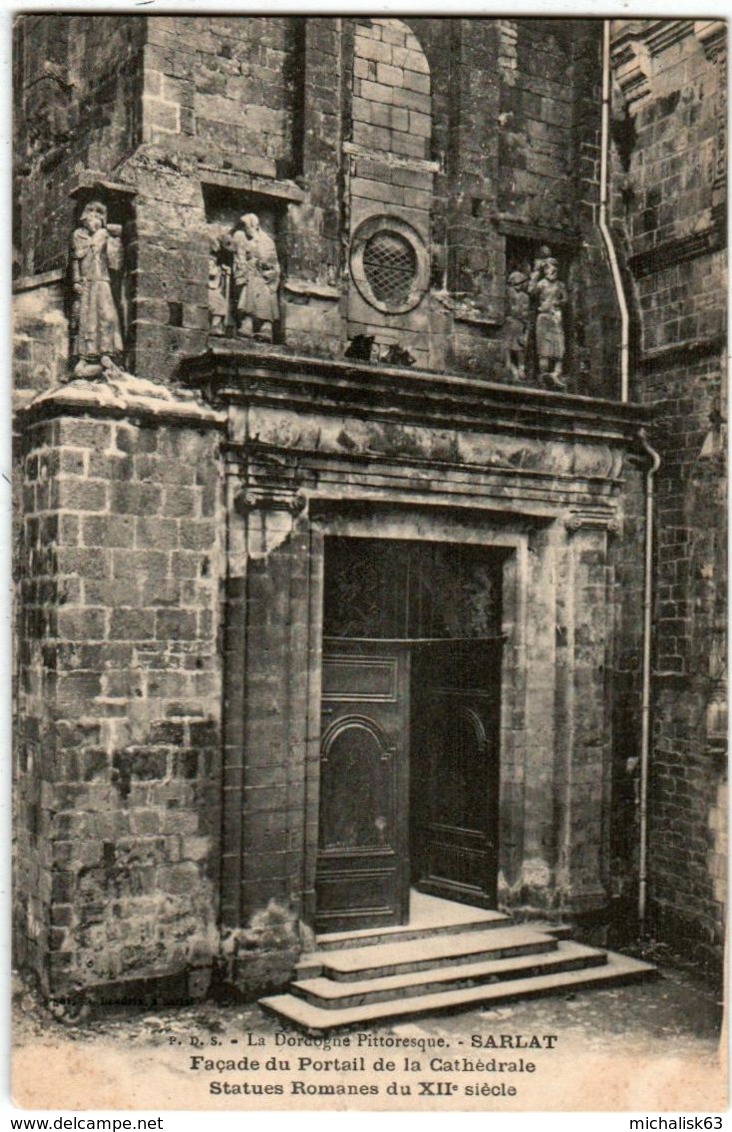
[
  {"x": 602, "y": 222},
  {"x": 645, "y": 744},
  {"x": 646, "y": 680}
]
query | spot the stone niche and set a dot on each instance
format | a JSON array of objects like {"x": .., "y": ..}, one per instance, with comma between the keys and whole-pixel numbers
[
  {"x": 224, "y": 208},
  {"x": 119, "y": 202},
  {"x": 519, "y": 332}
]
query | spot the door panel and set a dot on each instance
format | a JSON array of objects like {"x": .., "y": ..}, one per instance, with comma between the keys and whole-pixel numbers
[
  {"x": 362, "y": 876},
  {"x": 455, "y": 770}
]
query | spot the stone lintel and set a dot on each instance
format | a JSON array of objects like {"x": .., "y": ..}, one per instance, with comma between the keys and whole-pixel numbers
[
  {"x": 254, "y": 183},
  {"x": 510, "y": 225},
  {"x": 92, "y": 181}
]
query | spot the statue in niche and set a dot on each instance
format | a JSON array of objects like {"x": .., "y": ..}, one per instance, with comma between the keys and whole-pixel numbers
[
  {"x": 256, "y": 272},
  {"x": 96, "y": 255},
  {"x": 551, "y": 296},
  {"x": 517, "y": 324},
  {"x": 219, "y": 279}
]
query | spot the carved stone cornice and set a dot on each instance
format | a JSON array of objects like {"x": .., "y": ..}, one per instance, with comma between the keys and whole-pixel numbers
[
  {"x": 632, "y": 67},
  {"x": 660, "y": 35},
  {"x": 681, "y": 353},
  {"x": 90, "y": 181},
  {"x": 712, "y": 35},
  {"x": 303, "y": 386},
  {"x": 635, "y": 44}
]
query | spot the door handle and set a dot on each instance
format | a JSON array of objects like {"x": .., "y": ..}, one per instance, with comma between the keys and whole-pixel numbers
[{"x": 327, "y": 710}]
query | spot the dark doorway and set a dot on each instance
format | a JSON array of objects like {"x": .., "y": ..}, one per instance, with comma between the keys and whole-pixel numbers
[{"x": 409, "y": 728}]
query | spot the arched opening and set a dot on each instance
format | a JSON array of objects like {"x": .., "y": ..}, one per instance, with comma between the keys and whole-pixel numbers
[{"x": 392, "y": 102}]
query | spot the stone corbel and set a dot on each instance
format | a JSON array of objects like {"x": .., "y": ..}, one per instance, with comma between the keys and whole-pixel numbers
[
  {"x": 589, "y": 520},
  {"x": 631, "y": 64},
  {"x": 712, "y": 35},
  {"x": 253, "y": 498}
]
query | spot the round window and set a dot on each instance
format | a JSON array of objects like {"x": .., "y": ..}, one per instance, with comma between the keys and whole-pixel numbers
[{"x": 389, "y": 264}]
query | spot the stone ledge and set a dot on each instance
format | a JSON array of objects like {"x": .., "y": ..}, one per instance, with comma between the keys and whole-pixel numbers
[
  {"x": 316, "y": 290},
  {"x": 307, "y": 384},
  {"x": 396, "y": 160},
  {"x": 253, "y": 183},
  {"x": 710, "y": 239},
  {"x": 105, "y": 400},
  {"x": 681, "y": 353},
  {"x": 33, "y": 282}
]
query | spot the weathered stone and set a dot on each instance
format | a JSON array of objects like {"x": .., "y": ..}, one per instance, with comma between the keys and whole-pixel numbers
[{"x": 477, "y": 139}]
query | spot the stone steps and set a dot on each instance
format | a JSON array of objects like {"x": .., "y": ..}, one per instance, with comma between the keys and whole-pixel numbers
[
  {"x": 353, "y": 964},
  {"x": 402, "y": 977},
  {"x": 476, "y": 919},
  {"x": 328, "y": 994},
  {"x": 315, "y": 1019}
]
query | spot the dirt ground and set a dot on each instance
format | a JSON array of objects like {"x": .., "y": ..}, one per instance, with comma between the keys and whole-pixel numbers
[{"x": 649, "y": 1046}]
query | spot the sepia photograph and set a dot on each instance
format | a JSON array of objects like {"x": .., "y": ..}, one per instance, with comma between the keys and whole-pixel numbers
[{"x": 369, "y": 561}]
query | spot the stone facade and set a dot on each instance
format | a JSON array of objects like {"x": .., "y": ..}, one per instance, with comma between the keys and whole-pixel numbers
[
  {"x": 670, "y": 216},
  {"x": 173, "y": 530},
  {"x": 308, "y": 122}
]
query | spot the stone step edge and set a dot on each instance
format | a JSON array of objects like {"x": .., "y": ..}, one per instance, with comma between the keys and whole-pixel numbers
[
  {"x": 619, "y": 969},
  {"x": 472, "y": 947},
  {"x": 329, "y": 995},
  {"x": 372, "y": 937},
  {"x": 352, "y": 961}
]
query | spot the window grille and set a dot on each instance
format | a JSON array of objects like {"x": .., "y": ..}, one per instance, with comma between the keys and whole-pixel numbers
[{"x": 390, "y": 267}]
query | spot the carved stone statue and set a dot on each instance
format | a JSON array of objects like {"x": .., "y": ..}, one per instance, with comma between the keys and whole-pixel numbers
[
  {"x": 517, "y": 324},
  {"x": 551, "y": 295},
  {"x": 96, "y": 253},
  {"x": 219, "y": 276},
  {"x": 256, "y": 279}
]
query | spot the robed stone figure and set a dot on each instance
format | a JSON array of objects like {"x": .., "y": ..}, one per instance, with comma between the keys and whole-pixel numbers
[
  {"x": 256, "y": 272},
  {"x": 96, "y": 252}
]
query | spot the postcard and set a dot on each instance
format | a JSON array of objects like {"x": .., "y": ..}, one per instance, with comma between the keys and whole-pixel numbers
[{"x": 369, "y": 562}]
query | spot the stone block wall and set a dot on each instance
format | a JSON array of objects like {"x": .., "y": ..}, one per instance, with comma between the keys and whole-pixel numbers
[
  {"x": 688, "y": 759},
  {"x": 669, "y": 193},
  {"x": 77, "y": 81},
  {"x": 227, "y": 86},
  {"x": 314, "y": 322},
  {"x": 40, "y": 334},
  {"x": 627, "y": 560},
  {"x": 388, "y": 175},
  {"x": 118, "y": 752}
]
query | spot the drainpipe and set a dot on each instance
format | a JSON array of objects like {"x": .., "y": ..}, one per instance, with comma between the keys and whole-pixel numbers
[
  {"x": 603, "y": 225},
  {"x": 646, "y": 679}
]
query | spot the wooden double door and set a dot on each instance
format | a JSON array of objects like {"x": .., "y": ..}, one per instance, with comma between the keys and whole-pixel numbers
[{"x": 409, "y": 778}]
